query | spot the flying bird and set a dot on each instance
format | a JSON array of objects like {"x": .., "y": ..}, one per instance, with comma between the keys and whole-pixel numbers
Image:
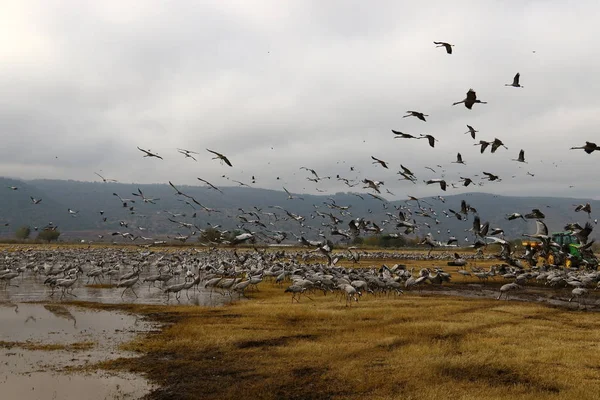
[
  {"x": 470, "y": 99},
  {"x": 401, "y": 135},
  {"x": 240, "y": 183},
  {"x": 430, "y": 139},
  {"x": 514, "y": 216},
  {"x": 187, "y": 153},
  {"x": 290, "y": 196},
  {"x": 521, "y": 157},
  {"x": 312, "y": 171},
  {"x": 417, "y": 114},
  {"x": 35, "y": 201},
  {"x": 144, "y": 198},
  {"x": 515, "y": 82},
  {"x": 459, "y": 159},
  {"x": 484, "y": 145},
  {"x": 179, "y": 192},
  {"x": 496, "y": 144},
  {"x": 585, "y": 208},
  {"x": 211, "y": 185},
  {"x": 406, "y": 170},
  {"x": 535, "y": 214},
  {"x": 220, "y": 157},
  {"x": 466, "y": 181},
  {"x": 124, "y": 201},
  {"x": 105, "y": 179},
  {"x": 372, "y": 184},
  {"x": 491, "y": 177},
  {"x": 589, "y": 147},
  {"x": 448, "y": 46},
  {"x": 472, "y": 131},
  {"x": 378, "y": 161},
  {"x": 440, "y": 181},
  {"x": 149, "y": 153}
]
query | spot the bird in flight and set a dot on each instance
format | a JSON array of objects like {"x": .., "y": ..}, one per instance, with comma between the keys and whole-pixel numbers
[
  {"x": 179, "y": 192},
  {"x": 290, "y": 196},
  {"x": 459, "y": 159},
  {"x": 483, "y": 145},
  {"x": 521, "y": 157},
  {"x": 430, "y": 139},
  {"x": 448, "y": 46},
  {"x": 240, "y": 183},
  {"x": 471, "y": 130},
  {"x": 105, "y": 179},
  {"x": 466, "y": 181},
  {"x": 144, "y": 198},
  {"x": 440, "y": 181},
  {"x": 124, "y": 201},
  {"x": 491, "y": 177},
  {"x": 378, "y": 161},
  {"x": 515, "y": 82},
  {"x": 220, "y": 157},
  {"x": 496, "y": 144},
  {"x": 417, "y": 114},
  {"x": 187, "y": 153},
  {"x": 401, "y": 135},
  {"x": 35, "y": 201},
  {"x": 372, "y": 184},
  {"x": 312, "y": 171},
  {"x": 149, "y": 153},
  {"x": 470, "y": 99},
  {"x": 589, "y": 147},
  {"x": 211, "y": 185}
]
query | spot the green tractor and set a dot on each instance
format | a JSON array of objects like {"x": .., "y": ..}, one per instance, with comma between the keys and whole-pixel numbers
[
  {"x": 569, "y": 245},
  {"x": 571, "y": 255}
]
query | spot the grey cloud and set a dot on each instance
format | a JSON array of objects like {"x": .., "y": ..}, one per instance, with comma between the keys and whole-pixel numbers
[{"x": 277, "y": 85}]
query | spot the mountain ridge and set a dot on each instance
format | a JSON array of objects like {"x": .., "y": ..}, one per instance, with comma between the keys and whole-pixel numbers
[{"x": 89, "y": 198}]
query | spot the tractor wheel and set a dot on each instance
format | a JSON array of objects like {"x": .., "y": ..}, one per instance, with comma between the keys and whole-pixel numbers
[{"x": 551, "y": 259}]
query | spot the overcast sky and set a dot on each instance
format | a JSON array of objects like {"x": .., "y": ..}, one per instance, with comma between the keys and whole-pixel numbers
[{"x": 276, "y": 85}]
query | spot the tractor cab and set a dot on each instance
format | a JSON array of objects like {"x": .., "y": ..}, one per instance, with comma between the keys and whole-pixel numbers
[
  {"x": 568, "y": 243},
  {"x": 564, "y": 238}
]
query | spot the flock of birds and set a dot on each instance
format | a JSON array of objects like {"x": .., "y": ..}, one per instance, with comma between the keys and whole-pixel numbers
[
  {"x": 234, "y": 273},
  {"x": 303, "y": 273}
]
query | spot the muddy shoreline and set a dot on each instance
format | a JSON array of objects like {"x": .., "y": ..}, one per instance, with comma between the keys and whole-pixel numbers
[{"x": 49, "y": 351}]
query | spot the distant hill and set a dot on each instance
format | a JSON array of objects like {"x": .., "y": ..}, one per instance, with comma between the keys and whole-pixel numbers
[{"x": 89, "y": 198}]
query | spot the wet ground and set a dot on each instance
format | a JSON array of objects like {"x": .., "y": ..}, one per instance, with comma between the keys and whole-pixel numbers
[
  {"x": 42, "y": 346},
  {"x": 558, "y": 297},
  {"x": 31, "y": 288}
]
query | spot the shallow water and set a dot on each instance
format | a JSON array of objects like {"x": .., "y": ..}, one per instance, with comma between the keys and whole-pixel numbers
[
  {"x": 37, "y": 373},
  {"x": 31, "y": 288}
]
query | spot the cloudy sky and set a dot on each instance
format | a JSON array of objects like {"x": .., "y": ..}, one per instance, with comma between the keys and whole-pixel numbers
[{"x": 276, "y": 85}]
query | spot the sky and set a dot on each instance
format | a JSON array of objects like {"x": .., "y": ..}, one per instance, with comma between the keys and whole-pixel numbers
[{"x": 279, "y": 85}]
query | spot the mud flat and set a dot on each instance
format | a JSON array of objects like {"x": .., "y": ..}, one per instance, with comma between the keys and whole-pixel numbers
[{"x": 45, "y": 349}]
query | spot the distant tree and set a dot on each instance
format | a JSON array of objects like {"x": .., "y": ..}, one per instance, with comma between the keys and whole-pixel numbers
[
  {"x": 23, "y": 233},
  {"x": 357, "y": 240},
  {"x": 48, "y": 235}
]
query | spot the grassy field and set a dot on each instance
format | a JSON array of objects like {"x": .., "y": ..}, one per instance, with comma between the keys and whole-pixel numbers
[
  {"x": 413, "y": 346},
  {"x": 407, "y": 347}
]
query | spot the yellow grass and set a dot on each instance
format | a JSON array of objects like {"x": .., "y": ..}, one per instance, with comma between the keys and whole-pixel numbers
[{"x": 408, "y": 347}]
